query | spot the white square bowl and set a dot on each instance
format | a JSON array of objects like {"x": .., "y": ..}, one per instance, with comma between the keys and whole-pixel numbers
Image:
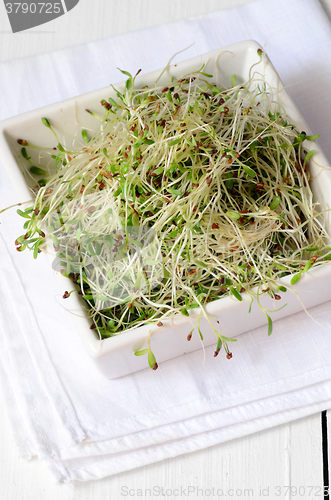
[{"x": 114, "y": 356}]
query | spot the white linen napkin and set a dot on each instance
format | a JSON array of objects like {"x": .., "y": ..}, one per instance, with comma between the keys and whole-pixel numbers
[{"x": 87, "y": 427}]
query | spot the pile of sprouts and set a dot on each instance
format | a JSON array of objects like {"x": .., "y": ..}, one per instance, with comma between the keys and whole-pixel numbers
[{"x": 218, "y": 177}]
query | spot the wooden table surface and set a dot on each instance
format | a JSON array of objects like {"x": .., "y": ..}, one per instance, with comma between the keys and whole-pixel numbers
[{"x": 287, "y": 462}]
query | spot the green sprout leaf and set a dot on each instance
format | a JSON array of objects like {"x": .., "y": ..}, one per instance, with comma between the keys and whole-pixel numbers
[
  {"x": 232, "y": 215},
  {"x": 105, "y": 153},
  {"x": 269, "y": 325},
  {"x": 312, "y": 137},
  {"x": 206, "y": 74},
  {"x": 176, "y": 192},
  {"x": 249, "y": 171},
  {"x": 37, "y": 171},
  {"x": 309, "y": 155},
  {"x": 85, "y": 136},
  {"x": 113, "y": 103},
  {"x": 236, "y": 294},
  {"x": 141, "y": 353},
  {"x": 25, "y": 154},
  {"x": 23, "y": 214},
  {"x": 36, "y": 248},
  {"x": 46, "y": 122},
  {"x": 218, "y": 346},
  {"x": 307, "y": 266},
  {"x": 175, "y": 141},
  {"x": 200, "y": 263},
  {"x": 149, "y": 141},
  {"x": 301, "y": 137},
  {"x": 275, "y": 202},
  {"x": 228, "y": 339},
  {"x": 296, "y": 278}
]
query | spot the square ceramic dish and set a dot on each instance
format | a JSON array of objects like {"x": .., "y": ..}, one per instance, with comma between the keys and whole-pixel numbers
[{"x": 114, "y": 356}]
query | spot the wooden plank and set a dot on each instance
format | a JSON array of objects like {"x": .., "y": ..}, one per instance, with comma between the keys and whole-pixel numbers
[
  {"x": 327, "y": 455},
  {"x": 305, "y": 460}
]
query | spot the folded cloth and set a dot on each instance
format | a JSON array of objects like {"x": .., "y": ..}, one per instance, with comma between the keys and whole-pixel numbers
[{"x": 63, "y": 410}]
